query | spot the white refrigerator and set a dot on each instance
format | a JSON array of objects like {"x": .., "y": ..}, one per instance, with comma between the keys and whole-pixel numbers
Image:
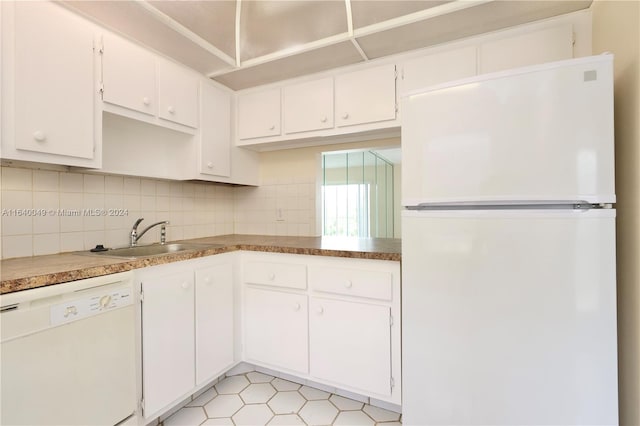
[{"x": 508, "y": 249}]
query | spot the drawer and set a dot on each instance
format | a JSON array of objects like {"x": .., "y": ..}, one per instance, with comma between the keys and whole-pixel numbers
[
  {"x": 351, "y": 282},
  {"x": 276, "y": 274}
]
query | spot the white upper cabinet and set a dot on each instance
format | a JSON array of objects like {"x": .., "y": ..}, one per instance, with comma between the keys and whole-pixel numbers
[
  {"x": 366, "y": 96},
  {"x": 536, "y": 47},
  {"x": 425, "y": 71},
  {"x": 259, "y": 114},
  {"x": 215, "y": 131},
  {"x": 48, "y": 85},
  {"x": 308, "y": 106},
  {"x": 177, "y": 94},
  {"x": 128, "y": 75}
]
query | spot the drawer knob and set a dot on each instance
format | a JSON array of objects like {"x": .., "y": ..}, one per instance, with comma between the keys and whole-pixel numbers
[
  {"x": 171, "y": 109},
  {"x": 273, "y": 127},
  {"x": 210, "y": 165},
  {"x": 323, "y": 120},
  {"x": 39, "y": 136},
  {"x": 184, "y": 285},
  {"x": 146, "y": 101},
  {"x": 345, "y": 115},
  {"x": 272, "y": 276},
  {"x": 207, "y": 280},
  {"x": 320, "y": 310},
  {"x": 296, "y": 307},
  {"x": 348, "y": 284}
]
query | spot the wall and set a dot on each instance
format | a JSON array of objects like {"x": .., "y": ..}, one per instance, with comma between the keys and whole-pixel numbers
[
  {"x": 616, "y": 29},
  {"x": 194, "y": 210},
  {"x": 290, "y": 184}
]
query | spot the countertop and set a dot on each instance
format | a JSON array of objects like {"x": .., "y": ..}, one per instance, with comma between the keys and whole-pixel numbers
[{"x": 31, "y": 272}]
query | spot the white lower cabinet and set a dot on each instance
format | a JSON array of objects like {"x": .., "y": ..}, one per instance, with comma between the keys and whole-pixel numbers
[
  {"x": 330, "y": 320},
  {"x": 187, "y": 318},
  {"x": 276, "y": 329},
  {"x": 349, "y": 344},
  {"x": 214, "y": 320},
  {"x": 167, "y": 339}
]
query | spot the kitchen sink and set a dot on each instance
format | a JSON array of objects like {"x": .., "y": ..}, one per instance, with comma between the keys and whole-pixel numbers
[{"x": 152, "y": 250}]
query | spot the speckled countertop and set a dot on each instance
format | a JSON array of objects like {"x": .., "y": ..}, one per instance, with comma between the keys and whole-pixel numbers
[{"x": 31, "y": 272}]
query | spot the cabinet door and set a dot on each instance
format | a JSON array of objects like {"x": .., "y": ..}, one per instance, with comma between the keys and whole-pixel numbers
[
  {"x": 308, "y": 106},
  {"x": 128, "y": 75},
  {"x": 214, "y": 321},
  {"x": 276, "y": 329},
  {"x": 259, "y": 114},
  {"x": 547, "y": 45},
  {"x": 350, "y": 343},
  {"x": 438, "y": 68},
  {"x": 167, "y": 339},
  {"x": 177, "y": 94},
  {"x": 215, "y": 131},
  {"x": 54, "y": 81},
  {"x": 366, "y": 96}
]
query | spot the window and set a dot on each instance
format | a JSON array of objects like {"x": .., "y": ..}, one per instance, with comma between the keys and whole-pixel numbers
[{"x": 357, "y": 195}]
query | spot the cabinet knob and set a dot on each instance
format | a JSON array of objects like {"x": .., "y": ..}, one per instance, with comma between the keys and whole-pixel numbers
[
  {"x": 39, "y": 136},
  {"x": 171, "y": 110},
  {"x": 146, "y": 101},
  {"x": 345, "y": 115},
  {"x": 320, "y": 310},
  {"x": 207, "y": 280},
  {"x": 184, "y": 285},
  {"x": 296, "y": 307},
  {"x": 210, "y": 165},
  {"x": 348, "y": 284},
  {"x": 323, "y": 120},
  {"x": 272, "y": 276},
  {"x": 273, "y": 127}
]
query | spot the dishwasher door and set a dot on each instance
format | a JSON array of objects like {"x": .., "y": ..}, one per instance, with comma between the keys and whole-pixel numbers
[{"x": 68, "y": 353}]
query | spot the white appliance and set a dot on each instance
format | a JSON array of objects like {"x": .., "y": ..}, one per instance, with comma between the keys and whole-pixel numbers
[
  {"x": 508, "y": 249},
  {"x": 68, "y": 353}
]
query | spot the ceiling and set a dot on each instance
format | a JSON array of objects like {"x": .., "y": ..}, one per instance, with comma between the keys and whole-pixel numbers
[{"x": 246, "y": 43}]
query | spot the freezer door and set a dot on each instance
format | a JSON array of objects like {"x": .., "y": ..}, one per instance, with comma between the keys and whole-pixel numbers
[
  {"x": 539, "y": 133},
  {"x": 509, "y": 318}
]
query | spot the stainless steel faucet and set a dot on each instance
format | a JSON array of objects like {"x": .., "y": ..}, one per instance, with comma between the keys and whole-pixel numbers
[{"x": 135, "y": 236}]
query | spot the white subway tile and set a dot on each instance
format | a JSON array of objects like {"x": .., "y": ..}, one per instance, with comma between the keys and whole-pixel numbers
[
  {"x": 44, "y": 180},
  {"x": 94, "y": 184},
  {"x": 132, "y": 185},
  {"x": 93, "y": 238},
  {"x": 47, "y": 203},
  {"x": 113, "y": 184},
  {"x": 71, "y": 182},
  {"x": 16, "y": 179},
  {"x": 148, "y": 187},
  {"x": 17, "y": 246},
  {"x": 131, "y": 202},
  {"x": 71, "y": 241},
  {"x": 163, "y": 188},
  {"x": 46, "y": 244}
]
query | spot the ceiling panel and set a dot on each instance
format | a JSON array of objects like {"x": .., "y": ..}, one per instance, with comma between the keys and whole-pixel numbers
[
  {"x": 367, "y": 12},
  {"x": 471, "y": 21},
  {"x": 322, "y": 59},
  {"x": 214, "y": 21},
  {"x": 128, "y": 18},
  {"x": 272, "y": 25}
]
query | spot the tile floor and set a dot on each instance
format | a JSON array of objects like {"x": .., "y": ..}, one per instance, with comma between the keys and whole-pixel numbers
[{"x": 259, "y": 399}]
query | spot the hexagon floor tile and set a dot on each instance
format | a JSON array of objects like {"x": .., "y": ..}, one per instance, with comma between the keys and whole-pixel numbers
[
  {"x": 223, "y": 406},
  {"x": 286, "y": 402},
  {"x": 284, "y": 385},
  {"x": 255, "y": 377},
  {"x": 187, "y": 416},
  {"x": 233, "y": 384},
  {"x": 257, "y": 393},
  {"x": 258, "y": 399},
  {"x": 318, "y": 412},
  {"x": 252, "y": 415}
]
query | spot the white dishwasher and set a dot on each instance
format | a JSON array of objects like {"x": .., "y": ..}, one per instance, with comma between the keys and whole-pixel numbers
[{"x": 68, "y": 353}]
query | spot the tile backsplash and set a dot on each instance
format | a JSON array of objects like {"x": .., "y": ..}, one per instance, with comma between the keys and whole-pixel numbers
[{"x": 47, "y": 212}]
